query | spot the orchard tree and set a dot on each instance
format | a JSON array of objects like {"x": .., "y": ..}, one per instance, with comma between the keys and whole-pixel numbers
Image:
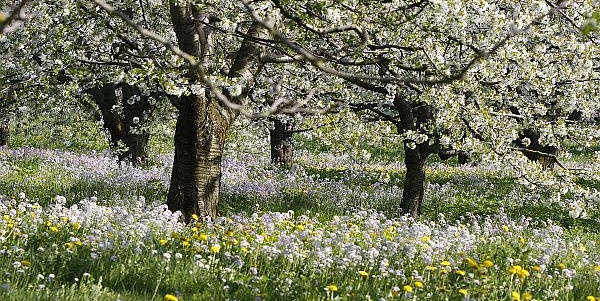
[
  {"x": 449, "y": 75},
  {"x": 446, "y": 74},
  {"x": 70, "y": 56}
]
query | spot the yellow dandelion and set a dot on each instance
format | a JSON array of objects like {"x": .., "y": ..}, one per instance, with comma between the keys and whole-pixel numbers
[
  {"x": 488, "y": 263},
  {"x": 418, "y": 284},
  {"x": 408, "y": 288},
  {"x": 69, "y": 245},
  {"x": 515, "y": 296},
  {"x": 463, "y": 291},
  {"x": 445, "y": 263},
  {"x": 76, "y": 225},
  {"x": 163, "y": 241},
  {"x": 26, "y": 263},
  {"x": 215, "y": 249},
  {"x": 472, "y": 262},
  {"x": 363, "y": 273},
  {"x": 331, "y": 288},
  {"x": 519, "y": 271},
  {"x": 169, "y": 297},
  {"x": 185, "y": 243},
  {"x": 203, "y": 237},
  {"x": 590, "y": 298},
  {"x": 505, "y": 228},
  {"x": 461, "y": 272},
  {"x": 54, "y": 229},
  {"x": 561, "y": 266},
  {"x": 536, "y": 268},
  {"x": 300, "y": 227},
  {"x": 526, "y": 296},
  {"x": 195, "y": 217},
  {"x": 597, "y": 268}
]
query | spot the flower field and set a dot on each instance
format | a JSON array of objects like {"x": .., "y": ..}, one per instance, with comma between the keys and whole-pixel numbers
[{"x": 81, "y": 227}]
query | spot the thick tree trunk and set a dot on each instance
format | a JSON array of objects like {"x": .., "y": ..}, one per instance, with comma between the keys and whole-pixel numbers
[
  {"x": 200, "y": 134},
  {"x": 204, "y": 120},
  {"x": 282, "y": 143},
  {"x": 121, "y": 126},
  {"x": 414, "y": 183}
]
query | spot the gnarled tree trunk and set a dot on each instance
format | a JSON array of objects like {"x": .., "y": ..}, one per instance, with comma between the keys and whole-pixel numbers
[
  {"x": 282, "y": 143},
  {"x": 413, "y": 117},
  {"x": 202, "y": 126},
  {"x": 121, "y": 126},
  {"x": 204, "y": 120}
]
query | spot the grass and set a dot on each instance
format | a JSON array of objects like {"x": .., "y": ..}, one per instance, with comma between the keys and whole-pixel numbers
[{"x": 310, "y": 232}]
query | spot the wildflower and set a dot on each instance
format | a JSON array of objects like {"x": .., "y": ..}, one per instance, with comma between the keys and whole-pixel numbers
[
  {"x": 561, "y": 266},
  {"x": 395, "y": 291},
  {"x": 488, "y": 263},
  {"x": 526, "y": 296},
  {"x": 597, "y": 268},
  {"x": 54, "y": 229},
  {"x": 445, "y": 263},
  {"x": 536, "y": 268},
  {"x": 26, "y": 263},
  {"x": 408, "y": 288},
  {"x": 519, "y": 271},
  {"x": 418, "y": 284},
  {"x": 194, "y": 217},
  {"x": 331, "y": 288},
  {"x": 515, "y": 296},
  {"x": 591, "y": 298},
  {"x": 505, "y": 228},
  {"x": 363, "y": 273},
  {"x": 163, "y": 241},
  {"x": 185, "y": 243},
  {"x": 215, "y": 249},
  {"x": 472, "y": 262},
  {"x": 461, "y": 272},
  {"x": 203, "y": 237},
  {"x": 463, "y": 291},
  {"x": 169, "y": 297}
]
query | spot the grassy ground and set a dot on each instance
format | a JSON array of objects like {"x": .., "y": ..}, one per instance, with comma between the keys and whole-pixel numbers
[{"x": 80, "y": 226}]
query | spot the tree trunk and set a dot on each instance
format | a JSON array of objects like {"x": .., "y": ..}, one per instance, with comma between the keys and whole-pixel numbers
[
  {"x": 121, "y": 126},
  {"x": 4, "y": 133},
  {"x": 414, "y": 183},
  {"x": 282, "y": 143},
  {"x": 200, "y": 134},
  {"x": 203, "y": 119}
]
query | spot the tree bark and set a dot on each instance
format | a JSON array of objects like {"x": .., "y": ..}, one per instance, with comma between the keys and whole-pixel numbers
[
  {"x": 120, "y": 126},
  {"x": 202, "y": 127},
  {"x": 282, "y": 143},
  {"x": 204, "y": 121},
  {"x": 414, "y": 183},
  {"x": 413, "y": 117},
  {"x": 4, "y": 132}
]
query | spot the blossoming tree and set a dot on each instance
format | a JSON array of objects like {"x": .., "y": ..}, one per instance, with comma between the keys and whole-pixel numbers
[{"x": 468, "y": 76}]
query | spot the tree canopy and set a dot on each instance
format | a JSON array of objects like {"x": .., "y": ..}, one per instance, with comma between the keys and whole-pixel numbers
[{"x": 468, "y": 76}]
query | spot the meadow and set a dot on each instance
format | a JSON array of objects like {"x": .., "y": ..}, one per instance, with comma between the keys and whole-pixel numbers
[{"x": 78, "y": 225}]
